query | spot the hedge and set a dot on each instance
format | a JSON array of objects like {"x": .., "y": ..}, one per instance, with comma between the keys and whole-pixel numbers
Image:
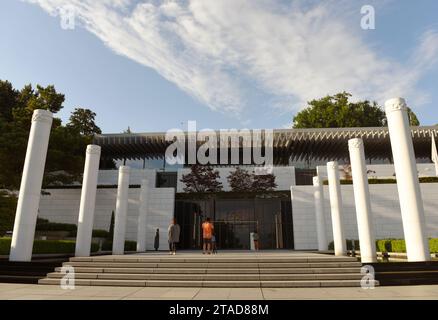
[
  {"x": 46, "y": 246},
  {"x": 129, "y": 245},
  {"x": 390, "y": 245},
  {"x": 387, "y": 181},
  {"x": 349, "y": 245},
  {"x": 8, "y": 204},
  {"x": 54, "y": 226}
]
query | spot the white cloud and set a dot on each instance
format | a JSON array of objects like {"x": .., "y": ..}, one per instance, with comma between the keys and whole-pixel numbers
[{"x": 226, "y": 52}]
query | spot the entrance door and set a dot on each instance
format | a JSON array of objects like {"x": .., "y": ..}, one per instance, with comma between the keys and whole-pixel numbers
[{"x": 234, "y": 234}]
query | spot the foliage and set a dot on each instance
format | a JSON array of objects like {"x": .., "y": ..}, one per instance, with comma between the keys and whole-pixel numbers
[
  {"x": 54, "y": 226},
  {"x": 391, "y": 245},
  {"x": 240, "y": 180},
  {"x": 98, "y": 233},
  {"x": 202, "y": 178},
  {"x": 82, "y": 120},
  {"x": 264, "y": 182},
  {"x": 388, "y": 181},
  {"x": 45, "y": 246},
  {"x": 111, "y": 228},
  {"x": 338, "y": 112},
  {"x": 349, "y": 245},
  {"x": 8, "y": 203},
  {"x": 129, "y": 245},
  {"x": 63, "y": 165}
]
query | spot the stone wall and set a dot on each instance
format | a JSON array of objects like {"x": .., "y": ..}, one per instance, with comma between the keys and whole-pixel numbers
[
  {"x": 385, "y": 208},
  {"x": 62, "y": 205},
  {"x": 284, "y": 177}
]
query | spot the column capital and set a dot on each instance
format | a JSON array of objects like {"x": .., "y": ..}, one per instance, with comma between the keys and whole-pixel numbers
[
  {"x": 395, "y": 104},
  {"x": 124, "y": 169},
  {"x": 332, "y": 165},
  {"x": 355, "y": 143},
  {"x": 93, "y": 149},
  {"x": 41, "y": 115}
]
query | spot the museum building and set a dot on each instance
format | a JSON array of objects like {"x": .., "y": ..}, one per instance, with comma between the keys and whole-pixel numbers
[{"x": 284, "y": 218}]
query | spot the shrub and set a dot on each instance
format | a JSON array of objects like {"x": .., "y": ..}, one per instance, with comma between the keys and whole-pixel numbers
[
  {"x": 54, "y": 226},
  {"x": 100, "y": 233},
  {"x": 398, "y": 246},
  {"x": 433, "y": 245},
  {"x": 46, "y": 246},
  {"x": 387, "y": 180},
  {"x": 8, "y": 204},
  {"x": 390, "y": 245},
  {"x": 129, "y": 245},
  {"x": 383, "y": 245},
  {"x": 349, "y": 245}
]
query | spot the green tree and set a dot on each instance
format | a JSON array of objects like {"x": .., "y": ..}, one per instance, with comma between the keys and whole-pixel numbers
[
  {"x": 202, "y": 179},
  {"x": 338, "y": 112},
  {"x": 241, "y": 180},
  {"x": 83, "y": 120},
  {"x": 8, "y": 100},
  {"x": 63, "y": 165}
]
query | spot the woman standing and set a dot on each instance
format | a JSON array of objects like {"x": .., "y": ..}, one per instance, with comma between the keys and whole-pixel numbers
[
  {"x": 157, "y": 240},
  {"x": 173, "y": 232}
]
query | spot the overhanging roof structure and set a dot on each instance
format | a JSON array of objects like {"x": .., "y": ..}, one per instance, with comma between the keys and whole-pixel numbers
[{"x": 293, "y": 144}]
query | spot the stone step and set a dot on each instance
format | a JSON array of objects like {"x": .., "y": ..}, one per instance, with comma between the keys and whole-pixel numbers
[
  {"x": 212, "y": 265},
  {"x": 216, "y": 277},
  {"x": 211, "y": 284},
  {"x": 214, "y": 270},
  {"x": 215, "y": 259}
]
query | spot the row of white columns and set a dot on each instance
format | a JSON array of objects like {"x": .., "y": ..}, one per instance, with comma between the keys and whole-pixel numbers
[
  {"x": 30, "y": 191},
  {"x": 411, "y": 203},
  {"x": 86, "y": 213}
]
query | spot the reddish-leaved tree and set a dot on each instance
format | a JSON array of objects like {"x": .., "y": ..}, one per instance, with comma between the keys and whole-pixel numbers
[{"x": 202, "y": 178}]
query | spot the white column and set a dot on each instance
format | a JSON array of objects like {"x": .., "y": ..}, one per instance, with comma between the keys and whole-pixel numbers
[
  {"x": 121, "y": 211},
  {"x": 30, "y": 188},
  {"x": 336, "y": 209},
  {"x": 142, "y": 214},
  {"x": 88, "y": 201},
  {"x": 319, "y": 212},
  {"x": 411, "y": 202},
  {"x": 362, "y": 200}
]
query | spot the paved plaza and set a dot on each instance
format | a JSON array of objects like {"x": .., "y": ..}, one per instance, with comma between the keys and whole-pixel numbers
[{"x": 39, "y": 292}]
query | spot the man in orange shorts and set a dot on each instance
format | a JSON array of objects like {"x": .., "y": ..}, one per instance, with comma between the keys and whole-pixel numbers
[{"x": 207, "y": 234}]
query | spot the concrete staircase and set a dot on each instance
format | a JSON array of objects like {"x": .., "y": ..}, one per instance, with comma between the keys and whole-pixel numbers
[{"x": 196, "y": 270}]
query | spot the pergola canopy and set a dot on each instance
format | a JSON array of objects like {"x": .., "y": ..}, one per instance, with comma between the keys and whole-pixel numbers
[{"x": 288, "y": 144}]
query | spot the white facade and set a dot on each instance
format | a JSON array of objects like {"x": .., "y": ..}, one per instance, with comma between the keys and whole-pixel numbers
[
  {"x": 387, "y": 220},
  {"x": 62, "y": 205},
  {"x": 284, "y": 177}
]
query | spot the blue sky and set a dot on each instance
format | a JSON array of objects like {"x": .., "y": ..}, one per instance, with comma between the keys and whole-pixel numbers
[{"x": 154, "y": 65}]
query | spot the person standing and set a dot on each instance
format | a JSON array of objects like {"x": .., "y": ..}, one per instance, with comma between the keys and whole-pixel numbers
[
  {"x": 157, "y": 240},
  {"x": 173, "y": 232},
  {"x": 256, "y": 240},
  {"x": 213, "y": 244},
  {"x": 207, "y": 234}
]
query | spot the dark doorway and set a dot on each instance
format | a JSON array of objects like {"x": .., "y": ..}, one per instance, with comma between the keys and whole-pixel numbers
[{"x": 234, "y": 220}]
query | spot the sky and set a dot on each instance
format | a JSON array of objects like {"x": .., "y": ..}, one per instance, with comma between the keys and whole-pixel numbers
[{"x": 154, "y": 65}]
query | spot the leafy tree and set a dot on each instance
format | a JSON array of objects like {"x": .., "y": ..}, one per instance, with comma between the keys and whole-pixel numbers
[
  {"x": 8, "y": 100},
  {"x": 241, "y": 180},
  {"x": 338, "y": 112},
  {"x": 265, "y": 182},
  {"x": 202, "y": 179},
  {"x": 8, "y": 203},
  {"x": 83, "y": 120},
  {"x": 63, "y": 165}
]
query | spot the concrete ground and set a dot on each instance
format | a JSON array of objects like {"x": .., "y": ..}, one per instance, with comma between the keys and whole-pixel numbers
[{"x": 41, "y": 292}]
